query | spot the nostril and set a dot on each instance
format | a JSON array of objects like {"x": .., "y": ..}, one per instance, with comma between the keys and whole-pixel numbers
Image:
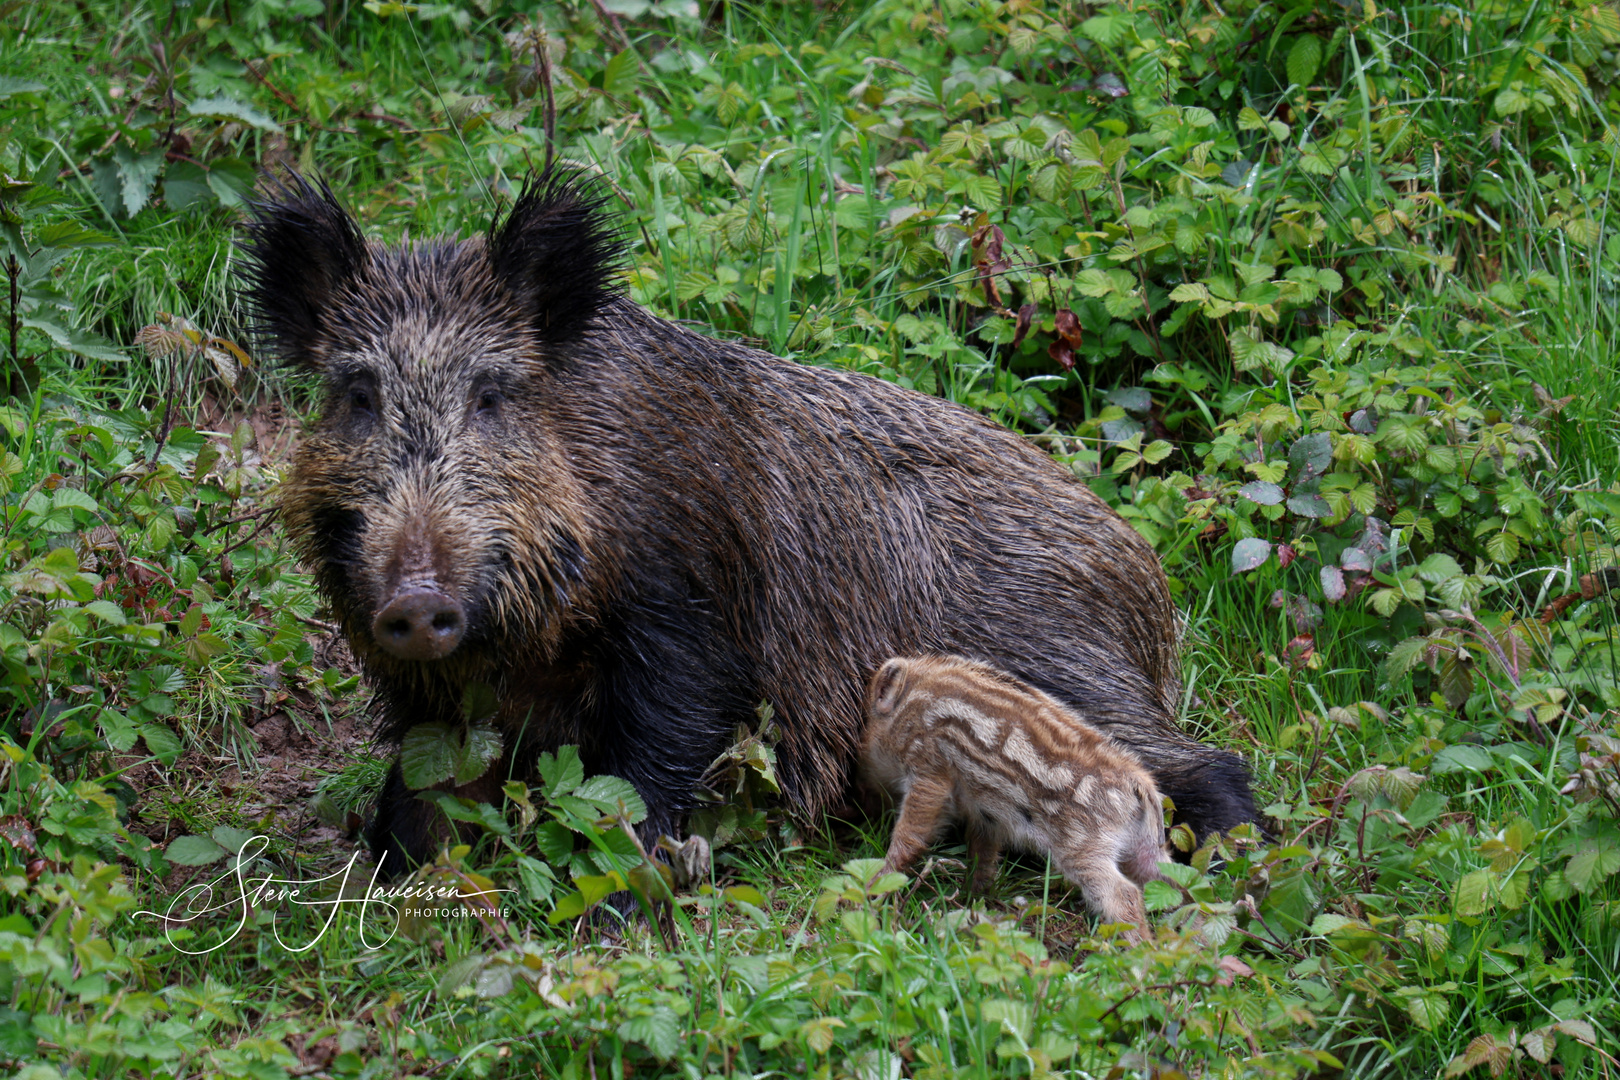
[{"x": 419, "y": 624}]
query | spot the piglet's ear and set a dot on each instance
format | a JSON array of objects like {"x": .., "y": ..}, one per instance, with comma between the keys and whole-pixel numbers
[
  {"x": 888, "y": 685},
  {"x": 299, "y": 249},
  {"x": 558, "y": 253}
]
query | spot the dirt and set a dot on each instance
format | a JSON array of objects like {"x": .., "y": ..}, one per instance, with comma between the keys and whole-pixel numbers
[{"x": 263, "y": 776}]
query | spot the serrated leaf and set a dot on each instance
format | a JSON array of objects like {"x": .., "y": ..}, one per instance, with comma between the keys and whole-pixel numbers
[
  {"x": 1310, "y": 456},
  {"x": 1473, "y": 894},
  {"x": 1304, "y": 58},
  {"x": 233, "y": 840},
  {"x": 428, "y": 754},
  {"x": 1250, "y": 553},
  {"x": 1262, "y": 492},
  {"x": 611, "y": 792},
  {"x": 193, "y": 851},
  {"x": 562, "y": 771},
  {"x": 107, "y": 611},
  {"x": 1310, "y": 504},
  {"x": 1591, "y": 866},
  {"x": 1134, "y": 399},
  {"x": 659, "y": 1032},
  {"x": 1353, "y": 558},
  {"x": 478, "y": 750},
  {"x": 82, "y": 342},
  {"x": 1579, "y": 1030},
  {"x": 1438, "y": 567},
  {"x": 137, "y": 176},
  {"x": 1428, "y": 1011},
  {"x": 1539, "y": 1044},
  {"x": 1463, "y": 757},
  {"x": 221, "y": 107},
  {"x": 1156, "y": 451},
  {"x": 460, "y": 973},
  {"x": 1332, "y": 583},
  {"x": 163, "y": 744}
]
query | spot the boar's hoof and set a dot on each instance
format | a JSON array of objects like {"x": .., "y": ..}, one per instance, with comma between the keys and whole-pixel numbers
[{"x": 421, "y": 624}]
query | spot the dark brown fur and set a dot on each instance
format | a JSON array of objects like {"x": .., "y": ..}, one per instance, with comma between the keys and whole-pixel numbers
[
  {"x": 960, "y": 741},
  {"x": 635, "y": 533}
]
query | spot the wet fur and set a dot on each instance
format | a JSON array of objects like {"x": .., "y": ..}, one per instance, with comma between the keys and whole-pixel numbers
[{"x": 651, "y": 530}]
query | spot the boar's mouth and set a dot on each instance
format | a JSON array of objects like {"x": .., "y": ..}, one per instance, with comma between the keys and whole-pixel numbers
[{"x": 420, "y": 623}]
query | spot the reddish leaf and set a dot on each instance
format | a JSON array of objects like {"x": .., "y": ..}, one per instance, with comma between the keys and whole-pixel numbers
[
  {"x": 1062, "y": 354},
  {"x": 1026, "y": 316},
  {"x": 18, "y": 831},
  {"x": 1286, "y": 554},
  {"x": 989, "y": 261},
  {"x": 1067, "y": 327},
  {"x": 1299, "y": 651}
]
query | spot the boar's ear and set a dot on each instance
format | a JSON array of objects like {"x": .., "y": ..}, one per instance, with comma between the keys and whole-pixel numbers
[
  {"x": 887, "y": 686},
  {"x": 558, "y": 253},
  {"x": 300, "y": 247}
]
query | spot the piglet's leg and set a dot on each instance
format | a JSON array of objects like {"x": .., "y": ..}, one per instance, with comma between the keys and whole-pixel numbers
[
  {"x": 984, "y": 849},
  {"x": 922, "y": 815},
  {"x": 1113, "y": 896}
]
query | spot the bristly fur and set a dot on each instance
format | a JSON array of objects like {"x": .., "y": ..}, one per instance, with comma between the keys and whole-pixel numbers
[
  {"x": 559, "y": 253},
  {"x": 299, "y": 245},
  {"x": 639, "y": 533}
]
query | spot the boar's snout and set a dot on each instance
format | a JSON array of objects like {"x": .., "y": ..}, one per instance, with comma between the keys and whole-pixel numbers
[{"x": 420, "y": 624}]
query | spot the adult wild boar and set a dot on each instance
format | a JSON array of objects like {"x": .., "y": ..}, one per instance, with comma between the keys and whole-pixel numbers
[{"x": 635, "y": 533}]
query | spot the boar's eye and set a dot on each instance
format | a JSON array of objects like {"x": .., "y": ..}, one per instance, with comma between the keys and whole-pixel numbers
[
  {"x": 488, "y": 402},
  {"x": 360, "y": 400}
]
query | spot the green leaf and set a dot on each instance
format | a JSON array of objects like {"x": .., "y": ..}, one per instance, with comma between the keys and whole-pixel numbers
[
  {"x": 10, "y": 85},
  {"x": 186, "y": 185},
  {"x": 85, "y": 343},
  {"x": 107, "y": 611},
  {"x": 232, "y": 840},
  {"x": 428, "y": 754},
  {"x": 621, "y": 69},
  {"x": 659, "y": 1032},
  {"x": 611, "y": 793},
  {"x": 1262, "y": 492},
  {"x": 221, "y": 107},
  {"x": 561, "y": 772},
  {"x": 137, "y": 176},
  {"x": 1250, "y": 553},
  {"x": 1463, "y": 757},
  {"x": 478, "y": 701},
  {"x": 70, "y": 234},
  {"x": 1304, "y": 59},
  {"x": 1593, "y": 864},
  {"x": 479, "y": 747},
  {"x": 163, "y": 744},
  {"x": 1473, "y": 894},
  {"x": 1438, "y": 567},
  {"x": 194, "y": 851},
  {"x": 1310, "y": 456},
  {"x": 1428, "y": 1011}
]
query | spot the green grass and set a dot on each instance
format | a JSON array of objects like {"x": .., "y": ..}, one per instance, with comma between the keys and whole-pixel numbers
[{"x": 1290, "y": 217}]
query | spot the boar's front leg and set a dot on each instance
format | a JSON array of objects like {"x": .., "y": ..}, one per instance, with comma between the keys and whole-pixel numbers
[
  {"x": 670, "y": 695},
  {"x": 406, "y": 831}
]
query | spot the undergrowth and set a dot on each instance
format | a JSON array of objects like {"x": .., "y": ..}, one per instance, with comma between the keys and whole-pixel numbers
[{"x": 1319, "y": 297}]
